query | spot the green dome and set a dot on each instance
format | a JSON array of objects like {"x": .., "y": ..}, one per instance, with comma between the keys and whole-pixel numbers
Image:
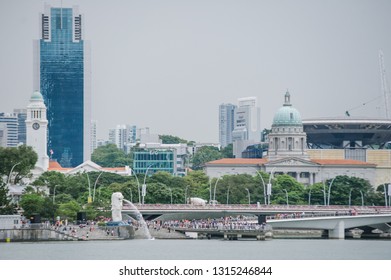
[
  {"x": 287, "y": 115},
  {"x": 36, "y": 96}
]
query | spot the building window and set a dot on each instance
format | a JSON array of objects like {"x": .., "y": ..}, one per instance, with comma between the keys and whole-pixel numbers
[{"x": 45, "y": 27}]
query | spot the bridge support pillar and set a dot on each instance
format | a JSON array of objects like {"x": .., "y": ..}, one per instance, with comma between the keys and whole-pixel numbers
[
  {"x": 261, "y": 219},
  {"x": 338, "y": 232}
]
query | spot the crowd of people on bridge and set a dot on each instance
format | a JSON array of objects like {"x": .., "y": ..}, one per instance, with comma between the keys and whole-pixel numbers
[{"x": 224, "y": 223}]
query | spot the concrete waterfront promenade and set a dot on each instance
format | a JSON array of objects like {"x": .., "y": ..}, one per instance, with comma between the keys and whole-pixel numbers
[{"x": 41, "y": 232}]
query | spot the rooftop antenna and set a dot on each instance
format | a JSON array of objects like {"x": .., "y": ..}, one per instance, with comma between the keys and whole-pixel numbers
[{"x": 384, "y": 84}]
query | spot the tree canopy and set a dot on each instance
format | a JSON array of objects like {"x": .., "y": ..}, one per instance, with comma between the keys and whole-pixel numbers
[
  {"x": 169, "y": 139},
  {"x": 205, "y": 154},
  {"x": 110, "y": 156},
  {"x": 19, "y": 159},
  {"x": 6, "y": 207}
]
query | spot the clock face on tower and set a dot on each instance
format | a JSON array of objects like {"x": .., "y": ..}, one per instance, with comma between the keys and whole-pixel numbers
[{"x": 36, "y": 126}]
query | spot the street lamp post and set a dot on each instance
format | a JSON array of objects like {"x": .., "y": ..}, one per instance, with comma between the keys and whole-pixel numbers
[
  {"x": 350, "y": 197},
  {"x": 89, "y": 189},
  {"x": 186, "y": 194},
  {"x": 328, "y": 199},
  {"x": 269, "y": 185},
  {"x": 362, "y": 199},
  {"x": 287, "y": 198},
  {"x": 385, "y": 195},
  {"x": 210, "y": 191},
  {"x": 248, "y": 193},
  {"x": 214, "y": 191},
  {"x": 138, "y": 185},
  {"x": 131, "y": 195},
  {"x": 264, "y": 185},
  {"x": 12, "y": 169},
  {"x": 228, "y": 195},
  {"x": 389, "y": 195},
  {"x": 54, "y": 194},
  {"x": 144, "y": 187},
  {"x": 96, "y": 181},
  {"x": 309, "y": 197},
  {"x": 170, "y": 193}
]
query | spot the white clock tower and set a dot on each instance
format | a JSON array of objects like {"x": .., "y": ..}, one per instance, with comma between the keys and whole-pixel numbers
[{"x": 36, "y": 130}]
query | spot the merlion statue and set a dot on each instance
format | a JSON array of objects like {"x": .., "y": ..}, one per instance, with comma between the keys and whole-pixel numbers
[{"x": 116, "y": 206}]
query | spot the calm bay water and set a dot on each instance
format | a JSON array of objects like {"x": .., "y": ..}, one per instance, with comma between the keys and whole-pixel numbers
[{"x": 141, "y": 249}]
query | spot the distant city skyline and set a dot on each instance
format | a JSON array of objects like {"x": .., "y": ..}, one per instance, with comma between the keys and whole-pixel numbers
[{"x": 168, "y": 65}]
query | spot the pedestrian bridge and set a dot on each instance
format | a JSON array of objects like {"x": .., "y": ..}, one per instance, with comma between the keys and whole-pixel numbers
[
  {"x": 336, "y": 225},
  {"x": 157, "y": 210},
  {"x": 334, "y": 219}
]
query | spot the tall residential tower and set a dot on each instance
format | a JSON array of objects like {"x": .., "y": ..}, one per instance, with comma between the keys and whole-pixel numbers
[{"x": 62, "y": 75}]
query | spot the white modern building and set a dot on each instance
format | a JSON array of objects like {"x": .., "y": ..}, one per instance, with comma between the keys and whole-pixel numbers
[
  {"x": 122, "y": 135},
  {"x": 247, "y": 130}
]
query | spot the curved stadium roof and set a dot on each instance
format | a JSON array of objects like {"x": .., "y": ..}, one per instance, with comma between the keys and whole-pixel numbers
[{"x": 335, "y": 131}]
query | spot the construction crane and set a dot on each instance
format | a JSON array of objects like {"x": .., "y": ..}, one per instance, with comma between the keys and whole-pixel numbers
[
  {"x": 384, "y": 85},
  {"x": 347, "y": 112},
  {"x": 384, "y": 89}
]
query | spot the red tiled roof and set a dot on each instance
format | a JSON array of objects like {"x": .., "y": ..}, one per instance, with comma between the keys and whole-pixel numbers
[
  {"x": 54, "y": 165},
  {"x": 242, "y": 161},
  {"x": 341, "y": 162}
]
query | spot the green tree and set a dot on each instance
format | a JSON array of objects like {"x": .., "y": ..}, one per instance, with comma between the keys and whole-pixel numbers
[
  {"x": 294, "y": 189},
  {"x": 110, "y": 156},
  {"x": 6, "y": 206},
  {"x": 205, "y": 154},
  {"x": 344, "y": 186},
  {"x": 77, "y": 185},
  {"x": 32, "y": 203},
  {"x": 53, "y": 180},
  {"x": 69, "y": 210},
  {"x": 20, "y": 160},
  {"x": 227, "y": 152},
  {"x": 169, "y": 139},
  {"x": 315, "y": 194},
  {"x": 158, "y": 193}
]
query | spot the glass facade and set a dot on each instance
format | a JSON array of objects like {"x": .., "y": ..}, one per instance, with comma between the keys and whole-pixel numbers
[
  {"x": 154, "y": 160},
  {"x": 61, "y": 67},
  {"x": 226, "y": 123},
  {"x": 22, "y": 116}
]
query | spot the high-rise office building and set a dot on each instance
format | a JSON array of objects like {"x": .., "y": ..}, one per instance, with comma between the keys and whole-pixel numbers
[
  {"x": 247, "y": 129},
  {"x": 226, "y": 123},
  {"x": 9, "y": 129},
  {"x": 62, "y": 75},
  {"x": 22, "y": 115},
  {"x": 94, "y": 144},
  {"x": 123, "y": 135}
]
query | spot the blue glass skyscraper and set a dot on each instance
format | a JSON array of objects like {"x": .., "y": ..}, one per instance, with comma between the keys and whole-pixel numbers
[{"x": 62, "y": 76}]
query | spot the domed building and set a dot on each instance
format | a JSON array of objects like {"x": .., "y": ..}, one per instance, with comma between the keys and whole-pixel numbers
[
  {"x": 287, "y": 154},
  {"x": 287, "y": 138}
]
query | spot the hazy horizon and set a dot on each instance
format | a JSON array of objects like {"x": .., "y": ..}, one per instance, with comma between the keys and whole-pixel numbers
[{"x": 168, "y": 65}]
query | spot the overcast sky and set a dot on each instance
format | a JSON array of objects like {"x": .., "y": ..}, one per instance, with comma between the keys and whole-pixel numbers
[{"x": 169, "y": 64}]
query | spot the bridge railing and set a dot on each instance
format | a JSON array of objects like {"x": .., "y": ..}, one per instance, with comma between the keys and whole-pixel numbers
[{"x": 291, "y": 208}]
